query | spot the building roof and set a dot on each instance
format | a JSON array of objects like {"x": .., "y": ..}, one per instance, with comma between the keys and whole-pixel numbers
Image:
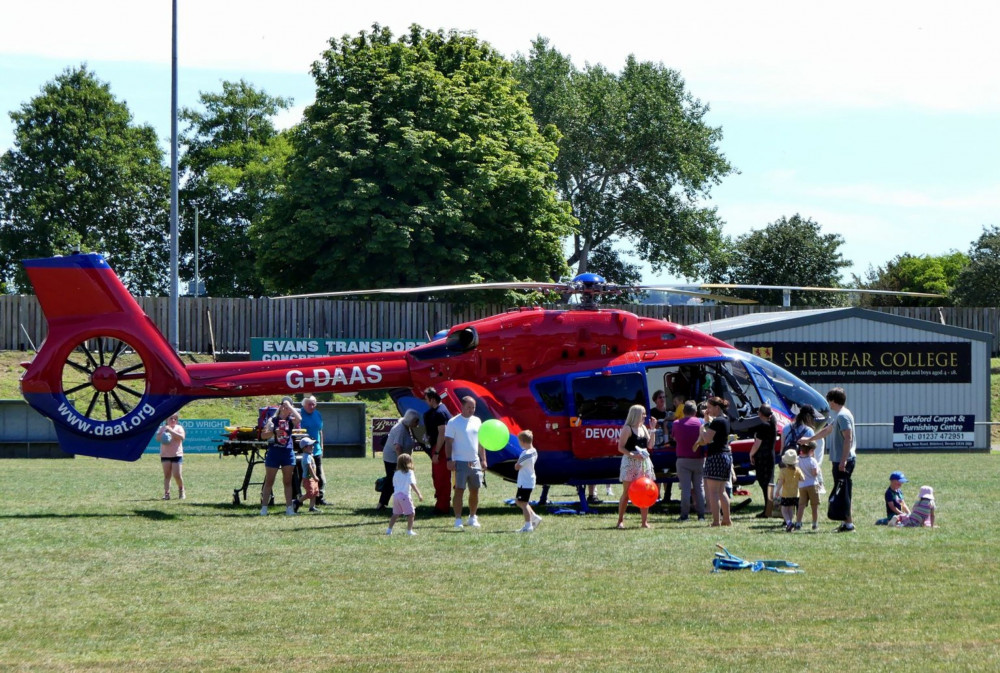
[{"x": 755, "y": 323}]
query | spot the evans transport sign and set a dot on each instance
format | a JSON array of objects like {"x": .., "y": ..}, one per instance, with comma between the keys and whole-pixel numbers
[{"x": 295, "y": 349}]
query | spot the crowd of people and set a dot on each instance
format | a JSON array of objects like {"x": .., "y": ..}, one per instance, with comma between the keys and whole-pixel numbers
[{"x": 700, "y": 435}]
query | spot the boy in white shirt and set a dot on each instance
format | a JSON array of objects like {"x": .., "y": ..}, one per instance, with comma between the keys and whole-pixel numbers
[{"x": 525, "y": 467}]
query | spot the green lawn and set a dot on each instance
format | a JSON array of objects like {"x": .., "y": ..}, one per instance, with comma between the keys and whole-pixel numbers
[{"x": 98, "y": 574}]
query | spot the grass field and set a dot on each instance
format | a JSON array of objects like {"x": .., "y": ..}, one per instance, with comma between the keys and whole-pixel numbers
[{"x": 98, "y": 574}]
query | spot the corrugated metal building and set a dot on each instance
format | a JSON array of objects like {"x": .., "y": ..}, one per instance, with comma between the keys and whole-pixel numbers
[{"x": 911, "y": 384}]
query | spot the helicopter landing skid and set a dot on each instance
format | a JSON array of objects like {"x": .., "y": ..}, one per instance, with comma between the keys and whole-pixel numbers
[{"x": 579, "y": 506}]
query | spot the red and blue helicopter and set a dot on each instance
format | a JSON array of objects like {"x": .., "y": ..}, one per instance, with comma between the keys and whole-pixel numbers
[{"x": 107, "y": 377}]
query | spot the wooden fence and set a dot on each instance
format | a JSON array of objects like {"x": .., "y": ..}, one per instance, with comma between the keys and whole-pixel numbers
[{"x": 234, "y": 321}]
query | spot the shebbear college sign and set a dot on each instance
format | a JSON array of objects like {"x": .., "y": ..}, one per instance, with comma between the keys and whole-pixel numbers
[{"x": 870, "y": 362}]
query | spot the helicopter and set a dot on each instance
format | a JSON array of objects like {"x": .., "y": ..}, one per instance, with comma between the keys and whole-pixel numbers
[{"x": 107, "y": 377}]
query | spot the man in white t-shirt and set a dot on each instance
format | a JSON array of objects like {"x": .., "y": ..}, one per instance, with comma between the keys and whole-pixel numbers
[{"x": 466, "y": 458}]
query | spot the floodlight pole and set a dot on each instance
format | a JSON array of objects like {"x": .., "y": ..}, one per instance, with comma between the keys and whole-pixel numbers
[
  {"x": 174, "y": 283},
  {"x": 197, "y": 284}
]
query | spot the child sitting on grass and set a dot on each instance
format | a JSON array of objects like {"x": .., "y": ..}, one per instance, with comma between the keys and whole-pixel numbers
[
  {"x": 403, "y": 480},
  {"x": 894, "y": 503},
  {"x": 922, "y": 513},
  {"x": 787, "y": 486}
]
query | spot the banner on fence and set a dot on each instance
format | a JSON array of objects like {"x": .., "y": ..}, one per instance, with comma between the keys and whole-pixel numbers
[
  {"x": 926, "y": 431},
  {"x": 200, "y": 436},
  {"x": 262, "y": 348}
]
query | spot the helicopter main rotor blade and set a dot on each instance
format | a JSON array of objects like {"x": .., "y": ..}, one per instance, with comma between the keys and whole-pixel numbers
[
  {"x": 694, "y": 293},
  {"x": 526, "y": 285},
  {"x": 806, "y": 288}
]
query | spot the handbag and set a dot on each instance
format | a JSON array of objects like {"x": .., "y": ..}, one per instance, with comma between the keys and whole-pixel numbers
[{"x": 840, "y": 502}]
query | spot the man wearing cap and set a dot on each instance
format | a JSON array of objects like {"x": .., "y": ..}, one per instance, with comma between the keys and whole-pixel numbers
[
  {"x": 312, "y": 423},
  {"x": 842, "y": 447},
  {"x": 894, "y": 503}
]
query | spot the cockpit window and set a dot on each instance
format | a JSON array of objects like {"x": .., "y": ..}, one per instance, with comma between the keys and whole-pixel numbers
[{"x": 793, "y": 390}]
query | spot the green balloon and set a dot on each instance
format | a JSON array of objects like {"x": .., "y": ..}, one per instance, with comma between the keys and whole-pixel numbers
[{"x": 493, "y": 435}]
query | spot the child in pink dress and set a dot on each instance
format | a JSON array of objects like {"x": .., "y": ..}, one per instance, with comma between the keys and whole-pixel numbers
[{"x": 403, "y": 480}]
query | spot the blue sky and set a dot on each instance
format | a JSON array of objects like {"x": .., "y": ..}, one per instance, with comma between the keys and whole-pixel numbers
[{"x": 880, "y": 123}]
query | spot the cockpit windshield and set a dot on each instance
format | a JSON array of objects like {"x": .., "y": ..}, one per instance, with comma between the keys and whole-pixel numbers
[{"x": 792, "y": 391}]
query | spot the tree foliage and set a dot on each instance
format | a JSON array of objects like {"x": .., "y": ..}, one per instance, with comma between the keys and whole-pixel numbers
[
  {"x": 978, "y": 284},
  {"x": 788, "y": 251},
  {"x": 232, "y": 166},
  {"x": 914, "y": 273},
  {"x": 82, "y": 175},
  {"x": 418, "y": 163},
  {"x": 636, "y": 158}
]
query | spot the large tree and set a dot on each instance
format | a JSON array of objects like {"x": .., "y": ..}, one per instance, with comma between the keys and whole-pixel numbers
[
  {"x": 636, "y": 159},
  {"x": 913, "y": 273},
  {"x": 232, "y": 165},
  {"x": 788, "y": 251},
  {"x": 419, "y": 163},
  {"x": 81, "y": 174},
  {"x": 978, "y": 284}
]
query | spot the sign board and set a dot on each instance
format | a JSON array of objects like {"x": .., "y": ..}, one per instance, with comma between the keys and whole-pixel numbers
[
  {"x": 869, "y": 362},
  {"x": 200, "y": 436},
  {"x": 294, "y": 349},
  {"x": 380, "y": 432},
  {"x": 925, "y": 431}
]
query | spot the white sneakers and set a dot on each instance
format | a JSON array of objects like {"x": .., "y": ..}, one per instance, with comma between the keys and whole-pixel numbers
[
  {"x": 473, "y": 521},
  {"x": 458, "y": 523},
  {"x": 290, "y": 511},
  {"x": 388, "y": 531},
  {"x": 531, "y": 525},
  {"x": 263, "y": 510}
]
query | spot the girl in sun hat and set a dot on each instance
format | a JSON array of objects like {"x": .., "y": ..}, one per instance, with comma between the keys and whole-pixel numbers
[
  {"x": 922, "y": 513},
  {"x": 787, "y": 487}
]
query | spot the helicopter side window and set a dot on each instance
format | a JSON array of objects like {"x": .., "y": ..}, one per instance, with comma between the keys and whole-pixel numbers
[
  {"x": 552, "y": 394},
  {"x": 607, "y": 398},
  {"x": 482, "y": 410}
]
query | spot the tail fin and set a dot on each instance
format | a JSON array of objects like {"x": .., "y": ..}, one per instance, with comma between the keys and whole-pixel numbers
[{"x": 104, "y": 371}]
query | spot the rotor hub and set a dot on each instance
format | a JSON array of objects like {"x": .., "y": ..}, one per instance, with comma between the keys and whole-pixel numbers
[{"x": 104, "y": 379}]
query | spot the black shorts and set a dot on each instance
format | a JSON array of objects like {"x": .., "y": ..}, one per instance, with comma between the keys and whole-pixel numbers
[
  {"x": 523, "y": 495},
  {"x": 175, "y": 459}
]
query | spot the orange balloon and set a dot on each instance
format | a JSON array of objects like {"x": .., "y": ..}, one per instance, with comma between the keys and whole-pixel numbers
[{"x": 643, "y": 492}]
